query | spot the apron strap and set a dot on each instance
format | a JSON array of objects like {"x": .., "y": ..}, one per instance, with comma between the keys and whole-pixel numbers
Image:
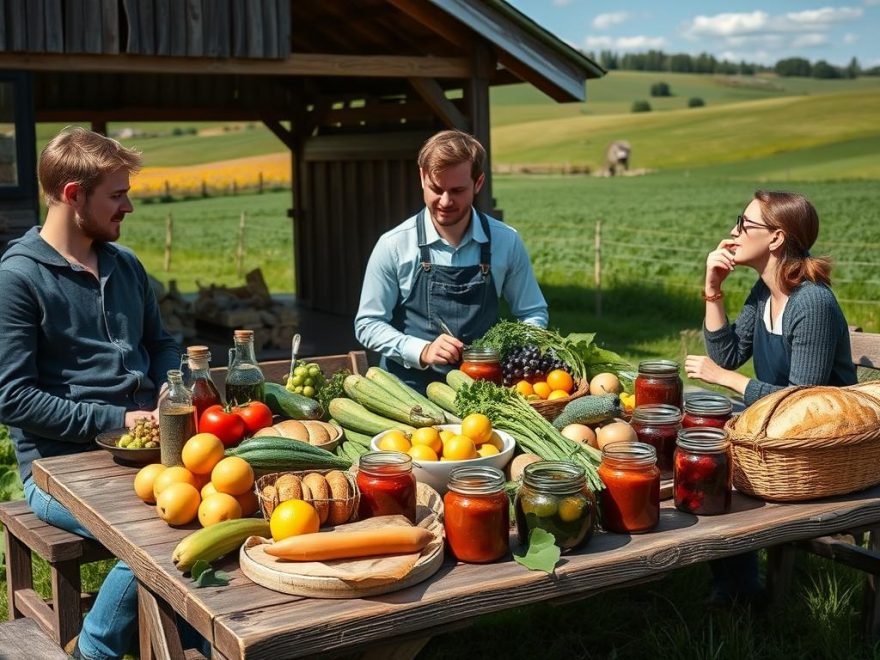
[
  {"x": 485, "y": 248},
  {"x": 424, "y": 251}
]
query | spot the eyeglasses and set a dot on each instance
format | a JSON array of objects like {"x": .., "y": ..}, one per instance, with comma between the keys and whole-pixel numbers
[{"x": 741, "y": 221}]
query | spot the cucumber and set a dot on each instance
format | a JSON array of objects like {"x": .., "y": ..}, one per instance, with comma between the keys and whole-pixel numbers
[
  {"x": 374, "y": 398},
  {"x": 442, "y": 395},
  {"x": 403, "y": 392},
  {"x": 457, "y": 378},
  {"x": 358, "y": 438},
  {"x": 352, "y": 415},
  {"x": 283, "y": 402},
  {"x": 271, "y": 453}
]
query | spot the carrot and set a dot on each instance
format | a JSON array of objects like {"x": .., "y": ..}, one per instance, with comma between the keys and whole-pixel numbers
[{"x": 321, "y": 546}]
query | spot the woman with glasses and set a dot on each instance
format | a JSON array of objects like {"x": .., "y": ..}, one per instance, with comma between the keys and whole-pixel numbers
[{"x": 790, "y": 325}]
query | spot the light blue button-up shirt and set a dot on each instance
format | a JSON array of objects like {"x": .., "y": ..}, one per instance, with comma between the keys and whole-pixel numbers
[{"x": 392, "y": 269}]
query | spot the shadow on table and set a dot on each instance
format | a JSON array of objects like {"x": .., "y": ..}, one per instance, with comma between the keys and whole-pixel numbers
[{"x": 741, "y": 502}]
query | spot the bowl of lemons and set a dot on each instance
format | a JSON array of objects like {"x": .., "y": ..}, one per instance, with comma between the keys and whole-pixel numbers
[{"x": 437, "y": 450}]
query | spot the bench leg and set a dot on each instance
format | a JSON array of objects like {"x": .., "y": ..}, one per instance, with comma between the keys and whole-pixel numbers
[
  {"x": 780, "y": 566},
  {"x": 871, "y": 603},
  {"x": 19, "y": 571},
  {"x": 161, "y": 633},
  {"x": 67, "y": 608}
]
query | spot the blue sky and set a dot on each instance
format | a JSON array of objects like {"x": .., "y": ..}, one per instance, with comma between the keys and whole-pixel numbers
[{"x": 761, "y": 32}]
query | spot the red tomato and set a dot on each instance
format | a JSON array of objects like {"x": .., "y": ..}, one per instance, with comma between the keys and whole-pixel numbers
[
  {"x": 255, "y": 414},
  {"x": 227, "y": 426}
]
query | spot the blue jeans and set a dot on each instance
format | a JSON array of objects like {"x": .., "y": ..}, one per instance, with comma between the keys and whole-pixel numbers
[{"x": 110, "y": 626}]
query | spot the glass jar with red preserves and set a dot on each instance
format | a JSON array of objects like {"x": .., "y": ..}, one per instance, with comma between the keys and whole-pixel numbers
[
  {"x": 477, "y": 514},
  {"x": 706, "y": 410},
  {"x": 631, "y": 499},
  {"x": 659, "y": 382},
  {"x": 482, "y": 363},
  {"x": 703, "y": 471},
  {"x": 658, "y": 426},
  {"x": 387, "y": 485}
]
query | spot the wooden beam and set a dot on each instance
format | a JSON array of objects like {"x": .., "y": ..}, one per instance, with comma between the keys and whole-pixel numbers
[
  {"x": 298, "y": 64},
  {"x": 186, "y": 113},
  {"x": 436, "y": 99},
  {"x": 283, "y": 134}
]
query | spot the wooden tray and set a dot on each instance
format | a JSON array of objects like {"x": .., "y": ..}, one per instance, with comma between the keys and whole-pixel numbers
[{"x": 267, "y": 571}]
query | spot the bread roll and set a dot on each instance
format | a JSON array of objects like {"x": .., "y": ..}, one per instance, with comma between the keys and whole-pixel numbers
[
  {"x": 317, "y": 433},
  {"x": 316, "y": 491},
  {"x": 289, "y": 428}
]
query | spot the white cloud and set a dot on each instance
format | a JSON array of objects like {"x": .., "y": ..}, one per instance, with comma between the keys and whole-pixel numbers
[
  {"x": 850, "y": 38},
  {"x": 729, "y": 25},
  {"x": 808, "y": 40},
  {"x": 872, "y": 3},
  {"x": 726, "y": 25},
  {"x": 605, "y": 21},
  {"x": 561, "y": 3},
  {"x": 639, "y": 42},
  {"x": 825, "y": 16}
]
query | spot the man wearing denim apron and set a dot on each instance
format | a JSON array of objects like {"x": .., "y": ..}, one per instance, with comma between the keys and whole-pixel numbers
[{"x": 433, "y": 283}]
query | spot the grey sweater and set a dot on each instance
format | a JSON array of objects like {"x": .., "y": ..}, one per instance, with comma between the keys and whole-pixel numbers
[
  {"x": 77, "y": 352},
  {"x": 814, "y": 331}
]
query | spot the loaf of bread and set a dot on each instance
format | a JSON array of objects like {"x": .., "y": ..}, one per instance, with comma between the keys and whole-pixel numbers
[{"x": 812, "y": 413}]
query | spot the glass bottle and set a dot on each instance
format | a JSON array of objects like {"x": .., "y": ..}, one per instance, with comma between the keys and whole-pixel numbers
[
  {"x": 244, "y": 378},
  {"x": 703, "y": 471},
  {"x": 199, "y": 381},
  {"x": 477, "y": 514},
  {"x": 555, "y": 497},
  {"x": 387, "y": 485},
  {"x": 659, "y": 382},
  {"x": 482, "y": 364},
  {"x": 706, "y": 410},
  {"x": 177, "y": 419},
  {"x": 658, "y": 425},
  {"x": 631, "y": 499}
]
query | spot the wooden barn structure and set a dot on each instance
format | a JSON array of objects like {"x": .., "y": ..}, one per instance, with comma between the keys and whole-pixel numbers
[{"x": 352, "y": 87}]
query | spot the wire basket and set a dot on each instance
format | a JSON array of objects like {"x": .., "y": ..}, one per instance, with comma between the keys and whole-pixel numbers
[
  {"x": 550, "y": 409},
  {"x": 335, "y": 507}
]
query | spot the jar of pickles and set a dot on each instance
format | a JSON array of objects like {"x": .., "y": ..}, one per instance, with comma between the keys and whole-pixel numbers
[
  {"x": 387, "y": 485},
  {"x": 658, "y": 426},
  {"x": 706, "y": 410},
  {"x": 555, "y": 497},
  {"x": 477, "y": 514},
  {"x": 482, "y": 363},
  {"x": 659, "y": 382},
  {"x": 703, "y": 471},
  {"x": 631, "y": 499}
]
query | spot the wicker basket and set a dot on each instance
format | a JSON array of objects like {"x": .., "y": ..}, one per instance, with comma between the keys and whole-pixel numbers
[
  {"x": 789, "y": 470},
  {"x": 550, "y": 409},
  {"x": 268, "y": 505}
]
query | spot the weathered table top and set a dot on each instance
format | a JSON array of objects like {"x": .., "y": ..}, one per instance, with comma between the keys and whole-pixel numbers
[{"x": 247, "y": 620}]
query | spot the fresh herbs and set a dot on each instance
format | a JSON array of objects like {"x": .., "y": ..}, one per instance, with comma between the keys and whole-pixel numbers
[
  {"x": 510, "y": 412},
  {"x": 332, "y": 388},
  {"x": 599, "y": 360},
  {"x": 504, "y": 336}
]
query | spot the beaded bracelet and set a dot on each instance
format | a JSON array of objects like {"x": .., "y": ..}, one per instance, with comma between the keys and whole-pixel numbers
[{"x": 717, "y": 296}]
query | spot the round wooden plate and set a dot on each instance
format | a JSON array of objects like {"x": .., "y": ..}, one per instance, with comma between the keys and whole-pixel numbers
[{"x": 262, "y": 569}]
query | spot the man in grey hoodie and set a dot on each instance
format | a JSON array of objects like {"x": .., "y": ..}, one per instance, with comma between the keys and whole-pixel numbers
[{"x": 82, "y": 341}]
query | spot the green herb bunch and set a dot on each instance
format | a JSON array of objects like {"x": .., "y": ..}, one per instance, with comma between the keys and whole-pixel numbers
[
  {"x": 505, "y": 336},
  {"x": 332, "y": 388}
]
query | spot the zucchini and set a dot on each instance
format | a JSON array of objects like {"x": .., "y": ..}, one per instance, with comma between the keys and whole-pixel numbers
[
  {"x": 374, "y": 398},
  {"x": 403, "y": 392},
  {"x": 457, "y": 378},
  {"x": 277, "y": 454},
  {"x": 359, "y": 438},
  {"x": 442, "y": 395},
  {"x": 354, "y": 451},
  {"x": 283, "y": 402},
  {"x": 589, "y": 410},
  {"x": 352, "y": 415}
]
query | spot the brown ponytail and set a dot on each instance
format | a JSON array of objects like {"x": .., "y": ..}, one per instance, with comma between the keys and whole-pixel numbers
[{"x": 797, "y": 218}]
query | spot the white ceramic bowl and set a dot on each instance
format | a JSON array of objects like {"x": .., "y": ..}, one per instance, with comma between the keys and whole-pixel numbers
[{"x": 436, "y": 473}]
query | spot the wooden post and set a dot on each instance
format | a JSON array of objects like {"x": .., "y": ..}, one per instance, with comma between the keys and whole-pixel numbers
[
  {"x": 239, "y": 253},
  {"x": 597, "y": 267},
  {"x": 260, "y": 185},
  {"x": 234, "y": 188},
  {"x": 169, "y": 227},
  {"x": 167, "y": 191},
  {"x": 204, "y": 188}
]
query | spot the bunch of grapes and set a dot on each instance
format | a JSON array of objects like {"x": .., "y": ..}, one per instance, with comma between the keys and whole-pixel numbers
[
  {"x": 529, "y": 363},
  {"x": 143, "y": 435},
  {"x": 306, "y": 379}
]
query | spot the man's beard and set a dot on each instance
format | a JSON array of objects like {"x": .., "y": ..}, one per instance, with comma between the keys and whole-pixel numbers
[{"x": 93, "y": 230}]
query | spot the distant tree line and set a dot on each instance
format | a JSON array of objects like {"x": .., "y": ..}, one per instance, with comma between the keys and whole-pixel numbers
[{"x": 657, "y": 60}]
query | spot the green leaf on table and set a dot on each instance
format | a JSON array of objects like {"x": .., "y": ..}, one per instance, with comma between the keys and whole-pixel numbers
[
  {"x": 199, "y": 567},
  {"x": 542, "y": 553},
  {"x": 212, "y": 578}
]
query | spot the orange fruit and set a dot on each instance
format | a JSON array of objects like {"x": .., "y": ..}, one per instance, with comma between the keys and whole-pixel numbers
[
  {"x": 218, "y": 507},
  {"x": 488, "y": 449},
  {"x": 560, "y": 379},
  {"x": 477, "y": 427},
  {"x": 208, "y": 490},
  {"x": 445, "y": 434},
  {"x": 422, "y": 453},
  {"x": 459, "y": 448},
  {"x": 542, "y": 389},
  {"x": 496, "y": 441},
  {"x": 173, "y": 475},
  {"x": 232, "y": 475},
  {"x": 202, "y": 452},
  {"x": 524, "y": 387},
  {"x": 292, "y": 518},
  {"x": 143, "y": 481},
  {"x": 557, "y": 394},
  {"x": 248, "y": 502},
  {"x": 394, "y": 441},
  {"x": 428, "y": 437},
  {"x": 178, "y": 504},
  {"x": 201, "y": 480}
]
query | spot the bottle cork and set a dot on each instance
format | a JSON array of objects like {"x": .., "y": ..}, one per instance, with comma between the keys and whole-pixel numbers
[{"x": 243, "y": 335}]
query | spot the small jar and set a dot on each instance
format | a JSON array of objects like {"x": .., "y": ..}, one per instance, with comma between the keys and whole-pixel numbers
[
  {"x": 177, "y": 419},
  {"x": 555, "y": 497},
  {"x": 482, "y": 364},
  {"x": 631, "y": 499},
  {"x": 477, "y": 514},
  {"x": 658, "y": 426},
  {"x": 659, "y": 382},
  {"x": 387, "y": 485},
  {"x": 703, "y": 471},
  {"x": 706, "y": 410}
]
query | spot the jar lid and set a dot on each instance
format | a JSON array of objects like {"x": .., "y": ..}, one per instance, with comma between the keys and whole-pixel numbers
[
  {"x": 656, "y": 413},
  {"x": 243, "y": 335},
  {"x": 481, "y": 354},
  {"x": 557, "y": 477},
  {"x": 481, "y": 480},
  {"x": 629, "y": 454},
  {"x": 385, "y": 461},
  {"x": 658, "y": 367},
  {"x": 708, "y": 404},
  {"x": 703, "y": 439}
]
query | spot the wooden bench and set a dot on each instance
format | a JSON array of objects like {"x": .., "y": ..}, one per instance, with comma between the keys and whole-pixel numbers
[
  {"x": 23, "y": 639},
  {"x": 60, "y": 616},
  {"x": 278, "y": 370}
]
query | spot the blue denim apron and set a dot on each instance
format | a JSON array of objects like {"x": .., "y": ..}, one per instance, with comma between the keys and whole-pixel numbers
[
  {"x": 464, "y": 297},
  {"x": 771, "y": 360}
]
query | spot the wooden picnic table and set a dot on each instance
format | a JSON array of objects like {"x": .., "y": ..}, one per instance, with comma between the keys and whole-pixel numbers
[{"x": 245, "y": 620}]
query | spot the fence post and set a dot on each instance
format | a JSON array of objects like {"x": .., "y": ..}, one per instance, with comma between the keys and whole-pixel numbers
[
  {"x": 239, "y": 254},
  {"x": 169, "y": 226},
  {"x": 234, "y": 187},
  {"x": 597, "y": 267},
  {"x": 260, "y": 186},
  {"x": 204, "y": 188},
  {"x": 167, "y": 191}
]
